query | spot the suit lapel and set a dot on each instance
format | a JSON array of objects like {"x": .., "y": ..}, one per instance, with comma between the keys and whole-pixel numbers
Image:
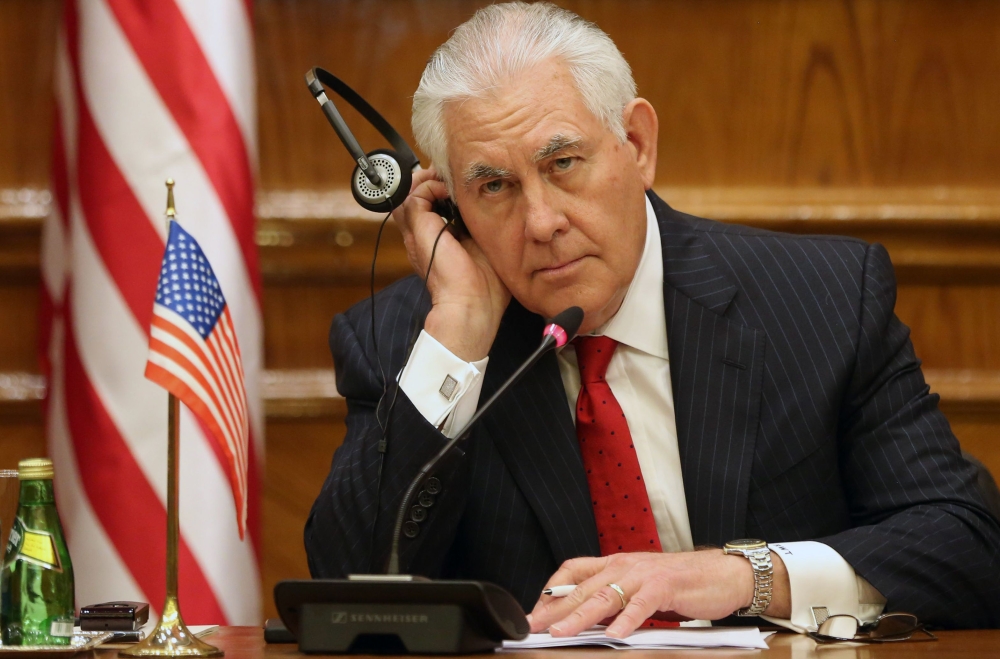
[
  {"x": 716, "y": 367},
  {"x": 532, "y": 429}
]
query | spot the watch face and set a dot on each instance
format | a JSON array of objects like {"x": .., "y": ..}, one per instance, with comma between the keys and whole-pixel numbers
[{"x": 745, "y": 543}]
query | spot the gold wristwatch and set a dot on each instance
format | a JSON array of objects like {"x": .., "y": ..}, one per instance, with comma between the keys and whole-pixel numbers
[{"x": 759, "y": 556}]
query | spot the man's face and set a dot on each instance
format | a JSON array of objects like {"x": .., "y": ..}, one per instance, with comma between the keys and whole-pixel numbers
[{"x": 549, "y": 194}]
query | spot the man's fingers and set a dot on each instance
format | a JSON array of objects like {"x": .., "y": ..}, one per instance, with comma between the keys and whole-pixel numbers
[
  {"x": 603, "y": 603},
  {"x": 595, "y": 600},
  {"x": 422, "y": 175},
  {"x": 549, "y": 609},
  {"x": 419, "y": 226},
  {"x": 575, "y": 571},
  {"x": 430, "y": 191},
  {"x": 639, "y": 608}
]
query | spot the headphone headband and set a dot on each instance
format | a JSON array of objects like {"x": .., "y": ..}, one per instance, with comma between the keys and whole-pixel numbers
[{"x": 341, "y": 88}]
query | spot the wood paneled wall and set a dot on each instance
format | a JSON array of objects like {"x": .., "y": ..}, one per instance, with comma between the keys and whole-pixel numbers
[
  {"x": 749, "y": 92},
  {"x": 875, "y": 118}
]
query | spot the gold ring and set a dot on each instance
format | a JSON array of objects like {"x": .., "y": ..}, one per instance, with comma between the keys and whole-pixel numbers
[{"x": 621, "y": 593}]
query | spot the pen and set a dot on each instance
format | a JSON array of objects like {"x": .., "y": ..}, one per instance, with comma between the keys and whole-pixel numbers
[{"x": 559, "y": 591}]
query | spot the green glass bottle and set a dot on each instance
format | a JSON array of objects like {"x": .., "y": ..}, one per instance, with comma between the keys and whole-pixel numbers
[{"x": 37, "y": 606}]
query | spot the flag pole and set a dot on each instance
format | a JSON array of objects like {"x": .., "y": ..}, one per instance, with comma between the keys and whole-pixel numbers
[{"x": 172, "y": 638}]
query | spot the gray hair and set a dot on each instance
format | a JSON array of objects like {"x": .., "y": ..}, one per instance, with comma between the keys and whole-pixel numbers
[{"x": 499, "y": 42}]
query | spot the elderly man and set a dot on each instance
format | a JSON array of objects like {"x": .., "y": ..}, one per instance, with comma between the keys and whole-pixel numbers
[{"x": 729, "y": 382}]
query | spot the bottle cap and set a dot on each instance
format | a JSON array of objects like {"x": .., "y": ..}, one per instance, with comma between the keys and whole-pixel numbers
[{"x": 34, "y": 469}]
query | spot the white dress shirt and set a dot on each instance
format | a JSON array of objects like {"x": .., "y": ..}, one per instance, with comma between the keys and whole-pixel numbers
[{"x": 445, "y": 389}]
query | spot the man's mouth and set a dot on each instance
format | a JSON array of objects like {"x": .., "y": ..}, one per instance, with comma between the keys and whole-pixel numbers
[{"x": 561, "y": 269}]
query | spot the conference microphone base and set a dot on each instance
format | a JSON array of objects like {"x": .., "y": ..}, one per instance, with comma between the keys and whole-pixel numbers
[{"x": 379, "y": 614}]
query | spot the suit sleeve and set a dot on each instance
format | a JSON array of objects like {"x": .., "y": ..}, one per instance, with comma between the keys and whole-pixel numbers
[
  {"x": 922, "y": 534},
  {"x": 350, "y": 526}
]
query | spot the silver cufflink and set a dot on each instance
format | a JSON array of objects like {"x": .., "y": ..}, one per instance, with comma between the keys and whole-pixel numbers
[
  {"x": 448, "y": 387},
  {"x": 820, "y": 614}
]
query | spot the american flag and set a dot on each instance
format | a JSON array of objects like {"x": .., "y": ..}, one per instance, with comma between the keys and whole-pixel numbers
[
  {"x": 194, "y": 354},
  {"x": 146, "y": 91}
]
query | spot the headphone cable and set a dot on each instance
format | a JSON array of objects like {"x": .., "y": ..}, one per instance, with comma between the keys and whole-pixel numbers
[{"x": 383, "y": 445}]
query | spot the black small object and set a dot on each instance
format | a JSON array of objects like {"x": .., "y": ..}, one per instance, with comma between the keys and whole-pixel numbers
[
  {"x": 114, "y": 616},
  {"x": 276, "y": 632},
  {"x": 425, "y": 499},
  {"x": 411, "y": 529},
  {"x": 404, "y": 614},
  {"x": 433, "y": 485},
  {"x": 418, "y": 513},
  {"x": 448, "y": 210}
]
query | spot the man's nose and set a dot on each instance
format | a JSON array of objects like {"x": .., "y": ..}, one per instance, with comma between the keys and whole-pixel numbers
[{"x": 543, "y": 221}]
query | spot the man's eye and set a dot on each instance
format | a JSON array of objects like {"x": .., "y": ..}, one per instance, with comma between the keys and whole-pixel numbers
[
  {"x": 494, "y": 186},
  {"x": 563, "y": 163}
]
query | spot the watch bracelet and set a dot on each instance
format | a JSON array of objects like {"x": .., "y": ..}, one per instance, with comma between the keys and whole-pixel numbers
[{"x": 763, "y": 583}]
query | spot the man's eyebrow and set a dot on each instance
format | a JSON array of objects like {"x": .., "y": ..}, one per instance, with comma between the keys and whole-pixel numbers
[
  {"x": 558, "y": 143},
  {"x": 479, "y": 170}
]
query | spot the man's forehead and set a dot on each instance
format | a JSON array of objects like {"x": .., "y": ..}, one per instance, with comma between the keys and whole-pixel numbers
[{"x": 532, "y": 116}]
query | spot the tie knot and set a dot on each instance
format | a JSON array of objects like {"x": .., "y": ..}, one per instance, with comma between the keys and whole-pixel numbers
[{"x": 593, "y": 354}]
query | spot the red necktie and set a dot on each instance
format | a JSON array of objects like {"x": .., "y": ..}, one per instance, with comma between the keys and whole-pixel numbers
[{"x": 621, "y": 506}]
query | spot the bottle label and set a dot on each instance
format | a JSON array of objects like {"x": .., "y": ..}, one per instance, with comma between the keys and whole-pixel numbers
[
  {"x": 38, "y": 547},
  {"x": 14, "y": 539},
  {"x": 61, "y": 628}
]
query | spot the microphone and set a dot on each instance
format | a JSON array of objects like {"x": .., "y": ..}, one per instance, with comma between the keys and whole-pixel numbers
[
  {"x": 556, "y": 334},
  {"x": 400, "y": 614}
]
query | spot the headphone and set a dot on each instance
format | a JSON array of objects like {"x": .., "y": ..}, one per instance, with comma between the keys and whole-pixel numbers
[{"x": 381, "y": 178}]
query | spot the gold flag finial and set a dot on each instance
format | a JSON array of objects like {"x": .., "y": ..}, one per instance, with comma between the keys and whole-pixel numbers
[{"x": 171, "y": 212}]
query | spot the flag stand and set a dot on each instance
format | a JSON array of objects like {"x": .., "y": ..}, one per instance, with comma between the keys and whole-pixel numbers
[{"x": 172, "y": 638}]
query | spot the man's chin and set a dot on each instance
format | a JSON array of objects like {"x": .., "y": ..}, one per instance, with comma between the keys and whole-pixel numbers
[{"x": 555, "y": 303}]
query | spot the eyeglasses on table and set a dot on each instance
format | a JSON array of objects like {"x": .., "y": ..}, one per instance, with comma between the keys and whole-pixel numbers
[{"x": 887, "y": 628}]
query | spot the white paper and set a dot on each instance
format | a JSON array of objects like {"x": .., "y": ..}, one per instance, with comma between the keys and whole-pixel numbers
[{"x": 652, "y": 639}]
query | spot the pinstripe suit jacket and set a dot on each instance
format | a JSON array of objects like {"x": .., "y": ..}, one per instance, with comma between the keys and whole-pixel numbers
[{"x": 801, "y": 411}]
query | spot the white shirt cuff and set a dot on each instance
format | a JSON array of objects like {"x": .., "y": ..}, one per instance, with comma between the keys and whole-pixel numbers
[
  {"x": 443, "y": 388},
  {"x": 823, "y": 584}
]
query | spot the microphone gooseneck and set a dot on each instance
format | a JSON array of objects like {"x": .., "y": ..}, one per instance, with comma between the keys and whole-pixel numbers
[{"x": 557, "y": 333}]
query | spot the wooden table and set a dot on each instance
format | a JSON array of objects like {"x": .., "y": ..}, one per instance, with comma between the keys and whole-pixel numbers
[{"x": 240, "y": 642}]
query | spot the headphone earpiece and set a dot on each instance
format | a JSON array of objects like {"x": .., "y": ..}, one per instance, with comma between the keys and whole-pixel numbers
[{"x": 396, "y": 174}]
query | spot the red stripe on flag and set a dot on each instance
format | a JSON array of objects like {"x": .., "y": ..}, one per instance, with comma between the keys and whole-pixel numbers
[
  {"x": 129, "y": 246},
  {"x": 157, "y": 31},
  {"x": 231, "y": 450},
  {"x": 227, "y": 340},
  {"x": 218, "y": 423},
  {"x": 222, "y": 405},
  {"x": 233, "y": 382},
  {"x": 248, "y": 5},
  {"x": 123, "y": 500}
]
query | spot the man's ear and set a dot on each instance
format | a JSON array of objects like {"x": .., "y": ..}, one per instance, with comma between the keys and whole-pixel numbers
[{"x": 642, "y": 128}]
